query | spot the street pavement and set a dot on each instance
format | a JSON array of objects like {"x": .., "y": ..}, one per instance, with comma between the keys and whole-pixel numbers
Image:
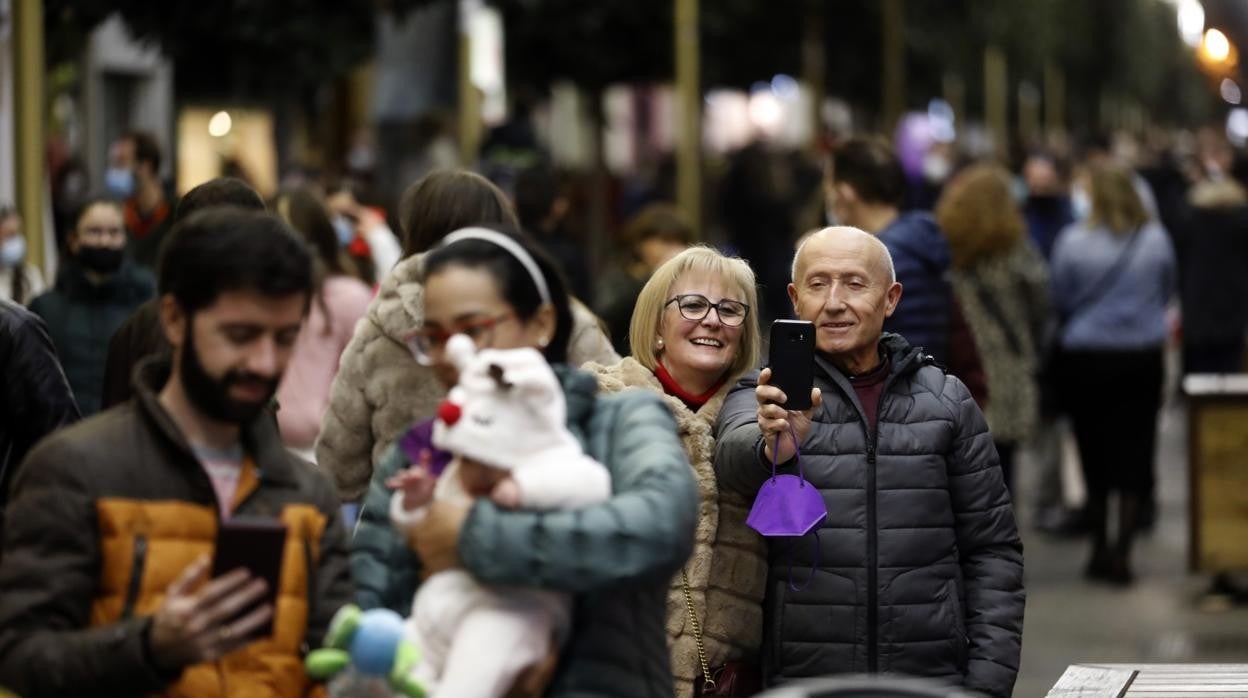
[{"x": 1160, "y": 618}]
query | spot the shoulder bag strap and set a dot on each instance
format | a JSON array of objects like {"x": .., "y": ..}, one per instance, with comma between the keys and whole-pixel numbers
[
  {"x": 708, "y": 684},
  {"x": 993, "y": 308},
  {"x": 1110, "y": 278}
]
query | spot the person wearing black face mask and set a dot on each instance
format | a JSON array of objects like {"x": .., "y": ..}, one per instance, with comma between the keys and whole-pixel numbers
[
  {"x": 1048, "y": 209},
  {"x": 97, "y": 288},
  {"x": 1048, "y": 206}
]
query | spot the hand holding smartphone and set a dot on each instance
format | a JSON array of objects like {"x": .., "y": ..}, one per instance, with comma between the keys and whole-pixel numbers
[
  {"x": 791, "y": 372},
  {"x": 256, "y": 544}
]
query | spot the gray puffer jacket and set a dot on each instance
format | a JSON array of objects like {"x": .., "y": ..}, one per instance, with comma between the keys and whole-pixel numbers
[{"x": 920, "y": 567}]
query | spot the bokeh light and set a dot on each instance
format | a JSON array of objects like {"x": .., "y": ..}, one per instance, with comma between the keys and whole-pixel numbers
[{"x": 220, "y": 124}]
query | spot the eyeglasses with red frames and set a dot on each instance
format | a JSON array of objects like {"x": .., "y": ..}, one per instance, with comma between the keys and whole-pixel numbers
[
  {"x": 695, "y": 306},
  {"x": 427, "y": 343}
]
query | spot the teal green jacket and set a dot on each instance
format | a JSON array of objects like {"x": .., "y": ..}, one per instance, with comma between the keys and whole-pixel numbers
[
  {"x": 617, "y": 558},
  {"x": 386, "y": 570}
]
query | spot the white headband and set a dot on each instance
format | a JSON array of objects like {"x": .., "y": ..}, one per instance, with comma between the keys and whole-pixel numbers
[{"x": 526, "y": 260}]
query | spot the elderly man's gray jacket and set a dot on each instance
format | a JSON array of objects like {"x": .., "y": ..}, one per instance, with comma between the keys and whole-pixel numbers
[{"x": 919, "y": 564}]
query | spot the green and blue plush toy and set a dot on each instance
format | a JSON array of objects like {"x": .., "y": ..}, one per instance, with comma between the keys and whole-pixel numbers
[{"x": 373, "y": 644}]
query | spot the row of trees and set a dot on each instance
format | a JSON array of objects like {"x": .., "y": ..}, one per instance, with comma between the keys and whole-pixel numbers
[{"x": 1126, "y": 50}]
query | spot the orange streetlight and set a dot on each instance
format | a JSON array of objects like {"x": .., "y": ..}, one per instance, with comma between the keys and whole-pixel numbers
[{"x": 1216, "y": 52}]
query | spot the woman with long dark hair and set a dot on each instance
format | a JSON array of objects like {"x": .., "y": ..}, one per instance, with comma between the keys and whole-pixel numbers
[{"x": 341, "y": 300}]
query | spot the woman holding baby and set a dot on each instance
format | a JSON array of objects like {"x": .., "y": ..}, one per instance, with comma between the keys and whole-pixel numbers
[{"x": 616, "y": 556}]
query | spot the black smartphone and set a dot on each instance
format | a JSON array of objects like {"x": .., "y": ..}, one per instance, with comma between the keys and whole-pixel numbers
[
  {"x": 258, "y": 545},
  {"x": 791, "y": 357}
]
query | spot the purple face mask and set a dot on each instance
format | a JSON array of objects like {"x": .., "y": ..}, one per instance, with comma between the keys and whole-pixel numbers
[{"x": 787, "y": 506}]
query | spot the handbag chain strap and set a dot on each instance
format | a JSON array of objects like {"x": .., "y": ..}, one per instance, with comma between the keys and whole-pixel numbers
[{"x": 708, "y": 684}]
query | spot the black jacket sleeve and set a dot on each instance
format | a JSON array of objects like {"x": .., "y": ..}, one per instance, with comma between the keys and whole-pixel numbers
[
  {"x": 118, "y": 367},
  {"x": 139, "y": 337},
  {"x": 739, "y": 464},
  {"x": 965, "y": 361},
  {"x": 36, "y": 398}
]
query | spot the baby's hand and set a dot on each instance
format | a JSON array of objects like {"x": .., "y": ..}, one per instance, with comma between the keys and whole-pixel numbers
[
  {"x": 506, "y": 493},
  {"x": 415, "y": 482}
]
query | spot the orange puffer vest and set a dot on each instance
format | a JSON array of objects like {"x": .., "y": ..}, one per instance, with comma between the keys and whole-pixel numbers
[
  {"x": 110, "y": 512},
  {"x": 145, "y": 545}
]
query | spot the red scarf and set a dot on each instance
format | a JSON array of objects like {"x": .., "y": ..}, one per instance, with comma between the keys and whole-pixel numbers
[
  {"x": 138, "y": 224},
  {"x": 693, "y": 402}
]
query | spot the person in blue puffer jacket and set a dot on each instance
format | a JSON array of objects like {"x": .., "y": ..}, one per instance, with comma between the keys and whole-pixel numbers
[{"x": 868, "y": 187}]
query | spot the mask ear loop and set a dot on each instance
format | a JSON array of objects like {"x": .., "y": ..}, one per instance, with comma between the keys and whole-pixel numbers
[
  {"x": 814, "y": 567},
  {"x": 797, "y": 455}
]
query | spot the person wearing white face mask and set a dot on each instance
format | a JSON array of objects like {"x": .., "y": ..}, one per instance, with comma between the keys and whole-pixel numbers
[
  {"x": 19, "y": 281},
  {"x": 344, "y": 229},
  {"x": 352, "y": 220},
  {"x": 1080, "y": 204},
  {"x": 146, "y": 207}
]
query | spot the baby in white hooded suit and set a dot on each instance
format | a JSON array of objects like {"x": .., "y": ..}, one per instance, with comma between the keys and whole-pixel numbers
[{"x": 505, "y": 423}]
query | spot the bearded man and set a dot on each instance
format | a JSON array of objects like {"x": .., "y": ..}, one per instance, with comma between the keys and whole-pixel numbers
[{"x": 106, "y": 584}]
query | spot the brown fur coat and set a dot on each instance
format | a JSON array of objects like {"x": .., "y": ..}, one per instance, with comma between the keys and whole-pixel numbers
[
  {"x": 380, "y": 390},
  {"x": 728, "y": 568}
]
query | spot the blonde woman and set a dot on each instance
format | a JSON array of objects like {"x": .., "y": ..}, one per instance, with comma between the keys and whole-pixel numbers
[
  {"x": 693, "y": 333},
  {"x": 1113, "y": 275}
]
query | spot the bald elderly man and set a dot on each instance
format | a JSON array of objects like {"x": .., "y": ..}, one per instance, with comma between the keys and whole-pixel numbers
[{"x": 919, "y": 567}]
